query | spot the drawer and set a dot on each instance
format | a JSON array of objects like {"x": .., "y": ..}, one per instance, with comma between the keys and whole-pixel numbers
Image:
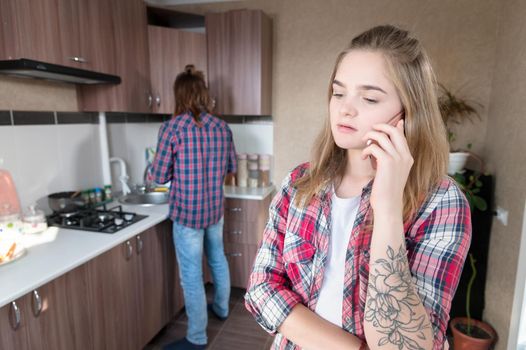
[
  {"x": 241, "y": 232},
  {"x": 240, "y": 261},
  {"x": 235, "y": 210}
]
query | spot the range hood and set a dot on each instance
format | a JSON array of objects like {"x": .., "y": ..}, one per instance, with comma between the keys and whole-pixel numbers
[{"x": 35, "y": 69}]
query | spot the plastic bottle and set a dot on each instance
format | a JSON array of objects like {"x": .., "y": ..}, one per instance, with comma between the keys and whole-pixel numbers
[{"x": 9, "y": 202}]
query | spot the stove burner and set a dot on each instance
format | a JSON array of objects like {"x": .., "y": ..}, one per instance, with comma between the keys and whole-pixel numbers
[{"x": 97, "y": 220}]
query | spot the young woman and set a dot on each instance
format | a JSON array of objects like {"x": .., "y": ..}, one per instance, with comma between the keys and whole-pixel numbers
[
  {"x": 195, "y": 151},
  {"x": 366, "y": 243}
]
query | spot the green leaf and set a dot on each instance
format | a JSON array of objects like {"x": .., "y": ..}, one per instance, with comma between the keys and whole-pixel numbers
[
  {"x": 478, "y": 183},
  {"x": 476, "y": 190},
  {"x": 480, "y": 203}
]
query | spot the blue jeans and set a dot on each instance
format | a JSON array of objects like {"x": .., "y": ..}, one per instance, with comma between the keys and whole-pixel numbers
[{"x": 189, "y": 243}]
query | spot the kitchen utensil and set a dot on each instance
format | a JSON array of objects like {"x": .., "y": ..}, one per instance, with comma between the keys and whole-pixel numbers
[{"x": 62, "y": 202}]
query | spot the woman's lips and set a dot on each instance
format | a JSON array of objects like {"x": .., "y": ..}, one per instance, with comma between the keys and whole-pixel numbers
[{"x": 346, "y": 129}]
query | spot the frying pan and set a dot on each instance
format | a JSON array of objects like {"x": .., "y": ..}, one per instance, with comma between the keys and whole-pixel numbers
[{"x": 62, "y": 202}]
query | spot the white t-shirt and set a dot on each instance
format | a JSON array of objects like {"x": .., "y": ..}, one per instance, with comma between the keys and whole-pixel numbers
[{"x": 330, "y": 300}]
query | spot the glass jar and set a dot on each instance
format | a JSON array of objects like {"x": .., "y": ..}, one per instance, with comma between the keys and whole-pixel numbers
[
  {"x": 10, "y": 233},
  {"x": 264, "y": 170},
  {"x": 242, "y": 170},
  {"x": 253, "y": 173},
  {"x": 34, "y": 220}
]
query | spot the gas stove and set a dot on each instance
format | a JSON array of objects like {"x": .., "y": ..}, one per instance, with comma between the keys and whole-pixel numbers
[{"x": 101, "y": 220}]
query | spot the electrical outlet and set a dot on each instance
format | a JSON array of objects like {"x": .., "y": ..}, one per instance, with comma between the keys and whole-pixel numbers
[{"x": 502, "y": 215}]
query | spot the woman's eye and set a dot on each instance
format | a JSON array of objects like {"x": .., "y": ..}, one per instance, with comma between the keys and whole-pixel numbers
[
  {"x": 337, "y": 94},
  {"x": 370, "y": 100}
]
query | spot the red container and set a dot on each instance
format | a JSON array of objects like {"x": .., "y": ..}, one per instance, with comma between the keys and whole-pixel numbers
[{"x": 9, "y": 203}]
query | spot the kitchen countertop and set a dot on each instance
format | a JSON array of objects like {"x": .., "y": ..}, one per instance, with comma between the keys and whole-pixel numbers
[
  {"x": 56, "y": 251},
  {"x": 247, "y": 192}
]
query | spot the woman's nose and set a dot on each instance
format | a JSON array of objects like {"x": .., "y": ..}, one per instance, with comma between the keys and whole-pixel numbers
[{"x": 347, "y": 108}]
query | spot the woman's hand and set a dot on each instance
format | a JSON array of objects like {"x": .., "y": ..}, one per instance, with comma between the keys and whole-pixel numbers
[{"x": 394, "y": 161}]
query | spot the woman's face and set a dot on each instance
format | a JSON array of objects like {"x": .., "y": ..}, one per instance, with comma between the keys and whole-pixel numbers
[{"x": 363, "y": 95}]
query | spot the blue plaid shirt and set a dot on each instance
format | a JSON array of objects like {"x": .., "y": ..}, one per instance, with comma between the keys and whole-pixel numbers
[{"x": 196, "y": 159}]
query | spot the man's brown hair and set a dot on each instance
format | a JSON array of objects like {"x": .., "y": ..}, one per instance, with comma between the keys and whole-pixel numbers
[{"x": 191, "y": 93}]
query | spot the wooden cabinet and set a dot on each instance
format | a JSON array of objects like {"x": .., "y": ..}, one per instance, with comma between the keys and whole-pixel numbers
[
  {"x": 239, "y": 46},
  {"x": 44, "y": 30},
  {"x": 115, "y": 33},
  {"x": 54, "y": 316},
  {"x": 170, "y": 51},
  {"x": 245, "y": 220},
  {"x": 98, "y": 35},
  {"x": 119, "y": 299},
  {"x": 13, "y": 328},
  {"x": 113, "y": 298}
]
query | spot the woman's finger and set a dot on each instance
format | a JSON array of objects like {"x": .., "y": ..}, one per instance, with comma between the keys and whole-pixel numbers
[
  {"x": 382, "y": 140},
  {"x": 396, "y": 135}
]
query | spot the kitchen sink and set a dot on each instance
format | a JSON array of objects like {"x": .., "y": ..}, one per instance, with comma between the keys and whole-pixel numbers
[{"x": 145, "y": 199}]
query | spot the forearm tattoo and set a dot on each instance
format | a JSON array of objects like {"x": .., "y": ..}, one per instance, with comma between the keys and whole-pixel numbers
[{"x": 391, "y": 300}]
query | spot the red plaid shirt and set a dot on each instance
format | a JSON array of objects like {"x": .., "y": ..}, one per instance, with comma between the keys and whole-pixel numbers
[{"x": 289, "y": 266}]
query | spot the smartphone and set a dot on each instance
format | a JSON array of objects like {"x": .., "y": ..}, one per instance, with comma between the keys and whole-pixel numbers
[{"x": 393, "y": 121}]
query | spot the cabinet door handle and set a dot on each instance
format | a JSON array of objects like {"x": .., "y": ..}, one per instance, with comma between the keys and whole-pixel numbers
[
  {"x": 236, "y": 232},
  {"x": 150, "y": 101},
  {"x": 14, "y": 316},
  {"x": 139, "y": 244},
  {"x": 235, "y": 209},
  {"x": 234, "y": 254},
  {"x": 77, "y": 59},
  {"x": 158, "y": 100},
  {"x": 129, "y": 250},
  {"x": 37, "y": 303}
]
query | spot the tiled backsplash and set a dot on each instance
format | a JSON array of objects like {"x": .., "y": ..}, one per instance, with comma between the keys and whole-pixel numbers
[
  {"x": 50, "y": 158},
  {"x": 49, "y": 152}
]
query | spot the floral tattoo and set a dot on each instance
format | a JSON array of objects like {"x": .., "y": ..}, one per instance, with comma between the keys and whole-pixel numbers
[{"x": 391, "y": 299}]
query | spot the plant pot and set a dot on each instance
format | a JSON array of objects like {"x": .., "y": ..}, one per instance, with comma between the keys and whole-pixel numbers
[
  {"x": 462, "y": 341},
  {"x": 457, "y": 161}
]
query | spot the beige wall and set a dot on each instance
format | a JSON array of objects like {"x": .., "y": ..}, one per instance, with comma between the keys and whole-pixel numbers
[
  {"x": 36, "y": 95},
  {"x": 504, "y": 151}
]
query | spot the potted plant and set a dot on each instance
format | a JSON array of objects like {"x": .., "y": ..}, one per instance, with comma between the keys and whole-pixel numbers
[
  {"x": 471, "y": 186},
  {"x": 455, "y": 110},
  {"x": 470, "y": 334}
]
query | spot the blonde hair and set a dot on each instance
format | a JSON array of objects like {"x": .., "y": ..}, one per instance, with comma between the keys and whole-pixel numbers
[{"x": 411, "y": 73}]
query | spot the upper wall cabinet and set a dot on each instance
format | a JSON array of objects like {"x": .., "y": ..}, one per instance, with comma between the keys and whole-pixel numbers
[
  {"x": 44, "y": 30},
  {"x": 239, "y": 46},
  {"x": 99, "y": 35},
  {"x": 170, "y": 51},
  {"x": 115, "y": 33}
]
